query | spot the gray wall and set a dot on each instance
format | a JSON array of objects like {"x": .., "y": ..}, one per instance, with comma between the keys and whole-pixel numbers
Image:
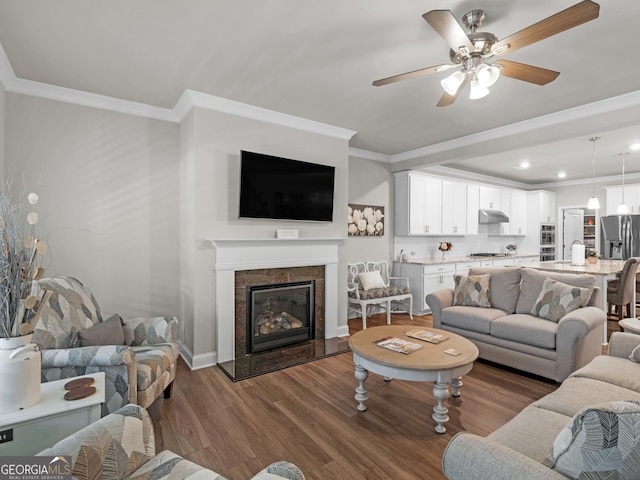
[
  {"x": 371, "y": 183},
  {"x": 127, "y": 203},
  {"x": 108, "y": 199}
]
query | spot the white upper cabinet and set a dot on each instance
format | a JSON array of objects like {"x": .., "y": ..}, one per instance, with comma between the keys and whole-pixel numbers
[
  {"x": 490, "y": 198},
  {"x": 614, "y": 198},
  {"x": 546, "y": 207},
  {"x": 473, "y": 205},
  {"x": 518, "y": 212},
  {"x": 418, "y": 204},
  {"x": 454, "y": 208}
]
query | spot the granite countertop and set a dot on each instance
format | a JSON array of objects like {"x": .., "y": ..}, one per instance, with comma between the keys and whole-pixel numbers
[
  {"x": 603, "y": 267},
  {"x": 461, "y": 259}
]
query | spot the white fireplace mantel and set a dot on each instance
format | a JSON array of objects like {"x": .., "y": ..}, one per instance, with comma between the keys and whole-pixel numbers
[{"x": 261, "y": 253}]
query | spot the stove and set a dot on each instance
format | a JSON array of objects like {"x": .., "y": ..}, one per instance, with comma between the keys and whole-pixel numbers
[{"x": 489, "y": 254}]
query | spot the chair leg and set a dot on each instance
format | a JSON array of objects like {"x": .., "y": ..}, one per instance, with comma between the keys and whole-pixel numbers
[
  {"x": 168, "y": 391},
  {"x": 388, "y": 312},
  {"x": 364, "y": 317}
]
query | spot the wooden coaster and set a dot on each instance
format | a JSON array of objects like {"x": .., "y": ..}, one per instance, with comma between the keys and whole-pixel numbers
[
  {"x": 80, "y": 392},
  {"x": 78, "y": 382}
]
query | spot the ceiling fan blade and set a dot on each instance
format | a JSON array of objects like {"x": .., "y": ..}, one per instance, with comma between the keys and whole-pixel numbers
[
  {"x": 578, "y": 14},
  {"x": 447, "y": 99},
  {"x": 446, "y": 25},
  {"x": 415, "y": 73},
  {"x": 527, "y": 73}
]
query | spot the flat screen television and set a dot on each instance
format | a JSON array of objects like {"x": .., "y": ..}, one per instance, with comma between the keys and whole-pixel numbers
[{"x": 285, "y": 189}]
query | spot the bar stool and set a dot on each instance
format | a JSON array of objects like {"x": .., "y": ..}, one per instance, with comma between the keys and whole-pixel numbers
[{"x": 620, "y": 291}]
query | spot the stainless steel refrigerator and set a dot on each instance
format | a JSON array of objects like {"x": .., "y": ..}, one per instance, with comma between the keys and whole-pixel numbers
[{"x": 620, "y": 236}]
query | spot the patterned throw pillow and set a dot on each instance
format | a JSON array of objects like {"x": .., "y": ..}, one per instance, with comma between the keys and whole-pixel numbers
[
  {"x": 472, "y": 290},
  {"x": 601, "y": 442},
  {"x": 370, "y": 280},
  {"x": 556, "y": 299}
]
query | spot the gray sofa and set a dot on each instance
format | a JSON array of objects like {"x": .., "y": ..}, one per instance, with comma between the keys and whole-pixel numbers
[
  {"x": 571, "y": 433},
  {"x": 505, "y": 330}
]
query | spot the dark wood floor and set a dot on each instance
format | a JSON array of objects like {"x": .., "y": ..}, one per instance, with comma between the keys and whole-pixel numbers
[{"x": 307, "y": 415}]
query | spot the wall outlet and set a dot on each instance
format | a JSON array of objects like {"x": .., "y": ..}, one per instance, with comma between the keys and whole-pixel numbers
[{"x": 6, "y": 436}]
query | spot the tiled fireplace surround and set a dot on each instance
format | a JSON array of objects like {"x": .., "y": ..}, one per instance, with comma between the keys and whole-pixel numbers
[{"x": 233, "y": 256}]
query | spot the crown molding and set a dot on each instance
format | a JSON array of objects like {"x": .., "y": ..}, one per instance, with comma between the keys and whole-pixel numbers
[
  {"x": 192, "y": 98},
  {"x": 187, "y": 102},
  {"x": 369, "y": 155}
]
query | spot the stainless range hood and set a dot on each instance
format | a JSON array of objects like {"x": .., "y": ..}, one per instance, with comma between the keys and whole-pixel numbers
[{"x": 491, "y": 216}]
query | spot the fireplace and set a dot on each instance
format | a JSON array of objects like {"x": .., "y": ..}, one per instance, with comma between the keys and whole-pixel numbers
[{"x": 279, "y": 314}]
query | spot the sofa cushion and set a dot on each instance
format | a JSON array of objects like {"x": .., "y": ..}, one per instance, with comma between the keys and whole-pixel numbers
[
  {"x": 153, "y": 361},
  {"x": 472, "y": 290},
  {"x": 635, "y": 354},
  {"x": 578, "y": 393},
  {"x": 109, "y": 332},
  {"x": 530, "y": 432},
  {"x": 613, "y": 370},
  {"x": 150, "y": 330},
  {"x": 532, "y": 281},
  {"x": 556, "y": 299},
  {"x": 504, "y": 286},
  {"x": 600, "y": 442},
  {"x": 470, "y": 318},
  {"x": 525, "y": 329}
]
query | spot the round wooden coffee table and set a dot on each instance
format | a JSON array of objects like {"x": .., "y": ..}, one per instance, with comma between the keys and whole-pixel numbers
[{"x": 428, "y": 364}]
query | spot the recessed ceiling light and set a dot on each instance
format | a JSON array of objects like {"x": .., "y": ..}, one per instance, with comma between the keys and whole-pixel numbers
[
  {"x": 635, "y": 146},
  {"x": 562, "y": 175},
  {"x": 522, "y": 165}
]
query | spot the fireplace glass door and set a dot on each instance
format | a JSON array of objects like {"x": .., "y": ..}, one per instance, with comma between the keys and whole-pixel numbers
[{"x": 279, "y": 314}]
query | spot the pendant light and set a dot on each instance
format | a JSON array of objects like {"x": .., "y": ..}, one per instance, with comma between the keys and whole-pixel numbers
[
  {"x": 594, "y": 203},
  {"x": 623, "y": 207}
]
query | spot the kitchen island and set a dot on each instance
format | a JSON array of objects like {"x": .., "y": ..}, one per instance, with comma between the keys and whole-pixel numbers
[
  {"x": 428, "y": 275},
  {"x": 604, "y": 271}
]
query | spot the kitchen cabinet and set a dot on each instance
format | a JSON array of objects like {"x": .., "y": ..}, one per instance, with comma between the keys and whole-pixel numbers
[
  {"x": 524, "y": 261},
  {"x": 514, "y": 204},
  {"x": 518, "y": 212},
  {"x": 502, "y": 262},
  {"x": 418, "y": 206},
  {"x": 490, "y": 198},
  {"x": 546, "y": 206},
  {"x": 473, "y": 205},
  {"x": 454, "y": 208},
  {"x": 614, "y": 198}
]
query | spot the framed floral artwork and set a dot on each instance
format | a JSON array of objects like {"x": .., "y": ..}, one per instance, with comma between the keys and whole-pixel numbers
[{"x": 365, "y": 221}]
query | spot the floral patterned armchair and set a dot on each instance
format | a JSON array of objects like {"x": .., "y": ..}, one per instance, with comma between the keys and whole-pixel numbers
[{"x": 138, "y": 367}]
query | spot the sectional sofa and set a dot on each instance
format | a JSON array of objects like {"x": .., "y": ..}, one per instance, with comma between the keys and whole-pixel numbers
[
  {"x": 589, "y": 428},
  {"x": 543, "y": 323}
]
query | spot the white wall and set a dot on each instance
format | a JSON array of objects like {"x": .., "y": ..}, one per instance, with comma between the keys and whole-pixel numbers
[
  {"x": 209, "y": 169},
  {"x": 371, "y": 183},
  {"x": 108, "y": 199}
]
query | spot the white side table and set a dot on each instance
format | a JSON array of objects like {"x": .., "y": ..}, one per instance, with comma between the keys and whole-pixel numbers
[
  {"x": 631, "y": 325},
  {"x": 51, "y": 419}
]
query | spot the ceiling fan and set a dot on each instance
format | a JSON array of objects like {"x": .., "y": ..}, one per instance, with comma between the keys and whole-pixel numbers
[{"x": 469, "y": 52}]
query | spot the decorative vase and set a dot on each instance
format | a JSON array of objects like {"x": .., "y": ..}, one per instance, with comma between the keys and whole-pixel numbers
[
  {"x": 592, "y": 260},
  {"x": 445, "y": 255},
  {"x": 20, "y": 364}
]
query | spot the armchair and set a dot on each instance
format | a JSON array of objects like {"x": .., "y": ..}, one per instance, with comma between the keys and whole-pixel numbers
[
  {"x": 138, "y": 366},
  {"x": 370, "y": 284}
]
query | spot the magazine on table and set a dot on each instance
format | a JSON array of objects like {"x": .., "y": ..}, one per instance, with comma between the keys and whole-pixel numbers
[
  {"x": 426, "y": 335},
  {"x": 398, "y": 345}
]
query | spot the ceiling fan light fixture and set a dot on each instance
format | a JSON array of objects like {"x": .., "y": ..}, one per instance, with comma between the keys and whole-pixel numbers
[
  {"x": 501, "y": 49},
  {"x": 452, "y": 83},
  {"x": 487, "y": 74},
  {"x": 477, "y": 90}
]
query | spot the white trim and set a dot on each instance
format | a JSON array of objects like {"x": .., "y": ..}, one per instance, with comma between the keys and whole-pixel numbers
[
  {"x": 369, "y": 155},
  {"x": 198, "y": 361},
  {"x": 257, "y": 253}
]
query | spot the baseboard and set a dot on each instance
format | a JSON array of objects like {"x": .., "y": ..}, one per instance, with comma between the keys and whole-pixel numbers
[
  {"x": 343, "y": 331},
  {"x": 196, "y": 362}
]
